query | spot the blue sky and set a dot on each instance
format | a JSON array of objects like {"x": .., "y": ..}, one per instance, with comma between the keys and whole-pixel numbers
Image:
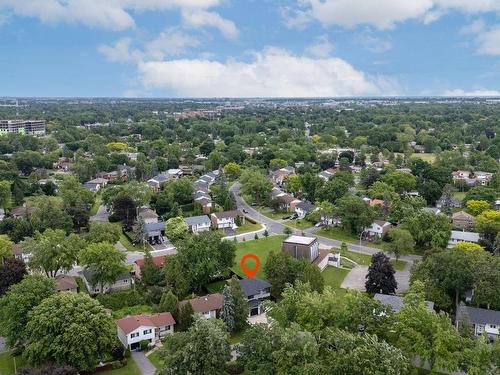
[{"x": 233, "y": 48}]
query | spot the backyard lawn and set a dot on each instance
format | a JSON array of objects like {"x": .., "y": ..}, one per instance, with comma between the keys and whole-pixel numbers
[
  {"x": 215, "y": 286},
  {"x": 261, "y": 247},
  {"x": 333, "y": 277},
  {"x": 248, "y": 227}
]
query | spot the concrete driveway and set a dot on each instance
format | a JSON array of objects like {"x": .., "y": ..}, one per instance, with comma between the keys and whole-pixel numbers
[
  {"x": 356, "y": 278},
  {"x": 144, "y": 364}
]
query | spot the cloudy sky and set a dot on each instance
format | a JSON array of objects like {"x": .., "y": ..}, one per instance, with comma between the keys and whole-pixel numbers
[{"x": 249, "y": 48}]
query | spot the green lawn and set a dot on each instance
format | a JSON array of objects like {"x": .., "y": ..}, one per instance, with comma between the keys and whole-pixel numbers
[
  {"x": 365, "y": 259},
  {"x": 261, "y": 247},
  {"x": 333, "y": 277},
  {"x": 236, "y": 337},
  {"x": 248, "y": 227},
  {"x": 459, "y": 194},
  {"x": 428, "y": 157},
  {"x": 339, "y": 234},
  {"x": 155, "y": 359},
  {"x": 81, "y": 285},
  {"x": 130, "y": 369},
  {"x": 7, "y": 363},
  {"x": 266, "y": 211},
  {"x": 97, "y": 203},
  {"x": 299, "y": 224},
  {"x": 129, "y": 245},
  {"x": 215, "y": 286}
]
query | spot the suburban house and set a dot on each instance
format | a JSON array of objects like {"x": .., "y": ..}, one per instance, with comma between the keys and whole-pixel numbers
[
  {"x": 303, "y": 208},
  {"x": 155, "y": 182},
  {"x": 375, "y": 202},
  {"x": 459, "y": 236},
  {"x": 287, "y": 202},
  {"x": 326, "y": 174},
  {"x": 431, "y": 210},
  {"x": 159, "y": 261},
  {"x": 482, "y": 178},
  {"x": 482, "y": 320},
  {"x": 123, "y": 282},
  {"x": 147, "y": 215},
  {"x": 154, "y": 232},
  {"x": 301, "y": 247},
  {"x": 463, "y": 220},
  {"x": 256, "y": 291},
  {"x": 198, "y": 224},
  {"x": 454, "y": 203},
  {"x": 65, "y": 283},
  {"x": 396, "y": 302},
  {"x": 226, "y": 219},
  {"x": 18, "y": 253},
  {"x": 279, "y": 176},
  {"x": 96, "y": 184},
  {"x": 133, "y": 329},
  {"x": 204, "y": 200},
  {"x": 378, "y": 228},
  {"x": 208, "y": 306}
]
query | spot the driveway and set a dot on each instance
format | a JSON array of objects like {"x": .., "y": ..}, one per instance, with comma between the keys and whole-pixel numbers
[
  {"x": 356, "y": 278},
  {"x": 101, "y": 215},
  {"x": 144, "y": 364}
]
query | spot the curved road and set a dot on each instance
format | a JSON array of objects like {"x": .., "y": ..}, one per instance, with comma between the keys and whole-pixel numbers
[{"x": 276, "y": 227}]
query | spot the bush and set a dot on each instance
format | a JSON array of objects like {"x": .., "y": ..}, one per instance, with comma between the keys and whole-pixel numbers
[
  {"x": 234, "y": 368},
  {"x": 119, "y": 300},
  {"x": 127, "y": 353},
  {"x": 118, "y": 353},
  {"x": 144, "y": 344}
]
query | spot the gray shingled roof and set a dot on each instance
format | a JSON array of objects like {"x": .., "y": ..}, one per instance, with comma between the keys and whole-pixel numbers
[
  {"x": 253, "y": 286},
  {"x": 195, "y": 220},
  {"x": 396, "y": 302},
  {"x": 477, "y": 315}
]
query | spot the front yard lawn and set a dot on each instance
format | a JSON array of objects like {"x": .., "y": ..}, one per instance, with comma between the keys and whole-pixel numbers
[
  {"x": 266, "y": 211},
  {"x": 155, "y": 359},
  {"x": 299, "y": 224},
  {"x": 130, "y": 369},
  {"x": 248, "y": 227},
  {"x": 261, "y": 247},
  {"x": 365, "y": 259},
  {"x": 7, "y": 363},
  {"x": 339, "y": 234},
  {"x": 129, "y": 245}
]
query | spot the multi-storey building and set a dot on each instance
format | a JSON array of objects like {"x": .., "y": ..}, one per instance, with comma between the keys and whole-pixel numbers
[{"x": 33, "y": 127}]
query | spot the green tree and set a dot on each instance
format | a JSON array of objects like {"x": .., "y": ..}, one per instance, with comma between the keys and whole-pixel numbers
[
  {"x": 481, "y": 193},
  {"x": 256, "y": 185},
  {"x": 5, "y": 195},
  {"x": 354, "y": 213},
  {"x": 240, "y": 304},
  {"x": 227, "y": 310},
  {"x": 203, "y": 350},
  {"x": 52, "y": 251},
  {"x": 232, "y": 170},
  {"x": 380, "y": 277},
  {"x": 168, "y": 302},
  {"x": 475, "y": 207},
  {"x": 400, "y": 242},
  {"x": 175, "y": 277},
  {"x": 12, "y": 272},
  {"x": 17, "y": 303},
  {"x": 104, "y": 261},
  {"x": 278, "y": 271},
  {"x": 48, "y": 213},
  {"x": 401, "y": 181},
  {"x": 428, "y": 230},
  {"x": 184, "y": 316},
  {"x": 257, "y": 347},
  {"x": 69, "y": 328},
  {"x": 176, "y": 228},
  {"x": 103, "y": 232},
  {"x": 5, "y": 248}
]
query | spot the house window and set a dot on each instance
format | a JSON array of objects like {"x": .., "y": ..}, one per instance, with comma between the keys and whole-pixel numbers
[
  {"x": 493, "y": 326},
  {"x": 132, "y": 335},
  {"x": 146, "y": 331}
]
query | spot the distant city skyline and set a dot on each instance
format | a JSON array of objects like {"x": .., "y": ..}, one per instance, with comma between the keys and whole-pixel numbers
[{"x": 249, "y": 48}]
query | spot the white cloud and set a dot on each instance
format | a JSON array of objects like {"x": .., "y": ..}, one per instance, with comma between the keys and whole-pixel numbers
[
  {"x": 321, "y": 48},
  {"x": 272, "y": 73},
  {"x": 373, "y": 43},
  {"x": 201, "y": 18},
  {"x": 381, "y": 14},
  {"x": 171, "y": 42},
  {"x": 475, "y": 27},
  {"x": 489, "y": 42},
  {"x": 117, "y": 14},
  {"x": 477, "y": 92}
]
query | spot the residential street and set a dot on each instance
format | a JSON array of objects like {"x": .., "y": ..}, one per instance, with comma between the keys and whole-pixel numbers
[{"x": 275, "y": 227}]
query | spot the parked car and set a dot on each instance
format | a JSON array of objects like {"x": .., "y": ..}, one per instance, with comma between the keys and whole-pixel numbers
[
  {"x": 318, "y": 225},
  {"x": 294, "y": 216},
  {"x": 245, "y": 211},
  {"x": 286, "y": 217}
]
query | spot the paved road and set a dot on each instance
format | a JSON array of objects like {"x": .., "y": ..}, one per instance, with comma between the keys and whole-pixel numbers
[
  {"x": 276, "y": 227},
  {"x": 101, "y": 215},
  {"x": 144, "y": 364}
]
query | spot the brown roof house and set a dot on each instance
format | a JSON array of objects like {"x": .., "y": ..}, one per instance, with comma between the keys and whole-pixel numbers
[
  {"x": 207, "y": 306},
  {"x": 226, "y": 219},
  {"x": 279, "y": 176},
  {"x": 463, "y": 220},
  {"x": 159, "y": 261},
  {"x": 133, "y": 329},
  {"x": 65, "y": 283}
]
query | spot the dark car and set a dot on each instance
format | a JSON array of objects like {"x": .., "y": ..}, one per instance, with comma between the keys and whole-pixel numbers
[
  {"x": 286, "y": 217},
  {"x": 245, "y": 211}
]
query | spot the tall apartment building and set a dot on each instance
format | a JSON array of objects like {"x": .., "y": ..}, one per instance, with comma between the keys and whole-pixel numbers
[{"x": 33, "y": 127}]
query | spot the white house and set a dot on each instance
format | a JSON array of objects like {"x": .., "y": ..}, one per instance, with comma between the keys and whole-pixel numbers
[
  {"x": 198, "y": 224},
  {"x": 378, "y": 228},
  {"x": 122, "y": 282},
  {"x": 96, "y": 184},
  {"x": 226, "y": 219},
  {"x": 207, "y": 306},
  {"x": 462, "y": 236},
  {"x": 303, "y": 208},
  {"x": 482, "y": 320},
  {"x": 133, "y": 329}
]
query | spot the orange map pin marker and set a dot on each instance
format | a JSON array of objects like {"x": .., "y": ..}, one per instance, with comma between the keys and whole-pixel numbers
[{"x": 250, "y": 272}]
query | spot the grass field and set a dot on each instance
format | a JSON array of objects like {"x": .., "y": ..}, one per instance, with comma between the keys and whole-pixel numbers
[
  {"x": 339, "y": 234},
  {"x": 261, "y": 247},
  {"x": 299, "y": 224},
  {"x": 248, "y": 227},
  {"x": 155, "y": 359}
]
